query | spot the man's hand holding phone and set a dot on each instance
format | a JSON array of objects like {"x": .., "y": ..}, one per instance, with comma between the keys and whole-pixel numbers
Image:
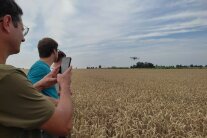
[{"x": 64, "y": 81}]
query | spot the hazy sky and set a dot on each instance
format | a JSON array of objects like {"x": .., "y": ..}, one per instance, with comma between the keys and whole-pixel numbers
[{"x": 108, "y": 32}]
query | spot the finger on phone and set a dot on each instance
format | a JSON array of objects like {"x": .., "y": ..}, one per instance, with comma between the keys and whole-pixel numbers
[
  {"x": 55, "y": 70},
  {"x": 68, "y": 69}
]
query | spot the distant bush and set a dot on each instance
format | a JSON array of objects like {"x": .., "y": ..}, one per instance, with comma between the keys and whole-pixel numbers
[{"x": 143, "y": 65}]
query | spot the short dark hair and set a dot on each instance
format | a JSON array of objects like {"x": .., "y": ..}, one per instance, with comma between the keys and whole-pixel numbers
[
  {"x": 61, "y": 55},
  {"x": 46, "y": 46},
  {"x": 10, "y": 7}
]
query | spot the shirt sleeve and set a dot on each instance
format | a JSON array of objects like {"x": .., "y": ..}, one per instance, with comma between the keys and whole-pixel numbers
[
  {"x": 21, "y": 105},
  {"x": 37, "y": 73}
]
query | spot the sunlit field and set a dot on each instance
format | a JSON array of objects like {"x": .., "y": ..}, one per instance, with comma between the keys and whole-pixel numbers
[{"x": 139, "y": 103}]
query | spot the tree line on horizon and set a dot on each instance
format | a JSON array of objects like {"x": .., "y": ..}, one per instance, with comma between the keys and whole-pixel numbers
[{"x": 151, "y": 65}]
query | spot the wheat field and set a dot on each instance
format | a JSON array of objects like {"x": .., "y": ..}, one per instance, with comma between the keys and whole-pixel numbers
[{"x": 139, "y": 103}]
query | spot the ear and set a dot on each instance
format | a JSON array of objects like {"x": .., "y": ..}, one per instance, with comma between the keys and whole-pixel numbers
[{"x": 7, "y": 23}]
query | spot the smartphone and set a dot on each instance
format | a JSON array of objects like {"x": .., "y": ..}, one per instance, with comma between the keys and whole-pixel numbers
[{"x": 65, "y": 64}]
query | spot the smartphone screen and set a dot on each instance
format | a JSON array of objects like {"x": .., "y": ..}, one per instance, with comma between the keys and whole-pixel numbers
[{"x": 65, "y": 63}]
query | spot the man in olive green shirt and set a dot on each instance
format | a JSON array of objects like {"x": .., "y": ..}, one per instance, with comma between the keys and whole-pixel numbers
[
  {"x": 22, "y": 106},
  {"x": 23, "y": 109}
]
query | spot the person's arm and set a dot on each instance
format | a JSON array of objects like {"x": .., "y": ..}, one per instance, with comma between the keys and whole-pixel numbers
[
  {"x": 54, "y": 101},
  {"x": 60, "y": 123},
  {"x": 49, "y": 80}
]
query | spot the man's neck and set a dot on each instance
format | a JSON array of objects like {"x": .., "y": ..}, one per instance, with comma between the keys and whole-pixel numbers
[
  {"x": 3, "y": 56},
  {"x": 2, "y": 60},
  {"x": 48, "y": 60}
]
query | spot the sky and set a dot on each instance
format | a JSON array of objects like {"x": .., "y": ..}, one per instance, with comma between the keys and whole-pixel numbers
[{"x": 109, "y": 32}]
